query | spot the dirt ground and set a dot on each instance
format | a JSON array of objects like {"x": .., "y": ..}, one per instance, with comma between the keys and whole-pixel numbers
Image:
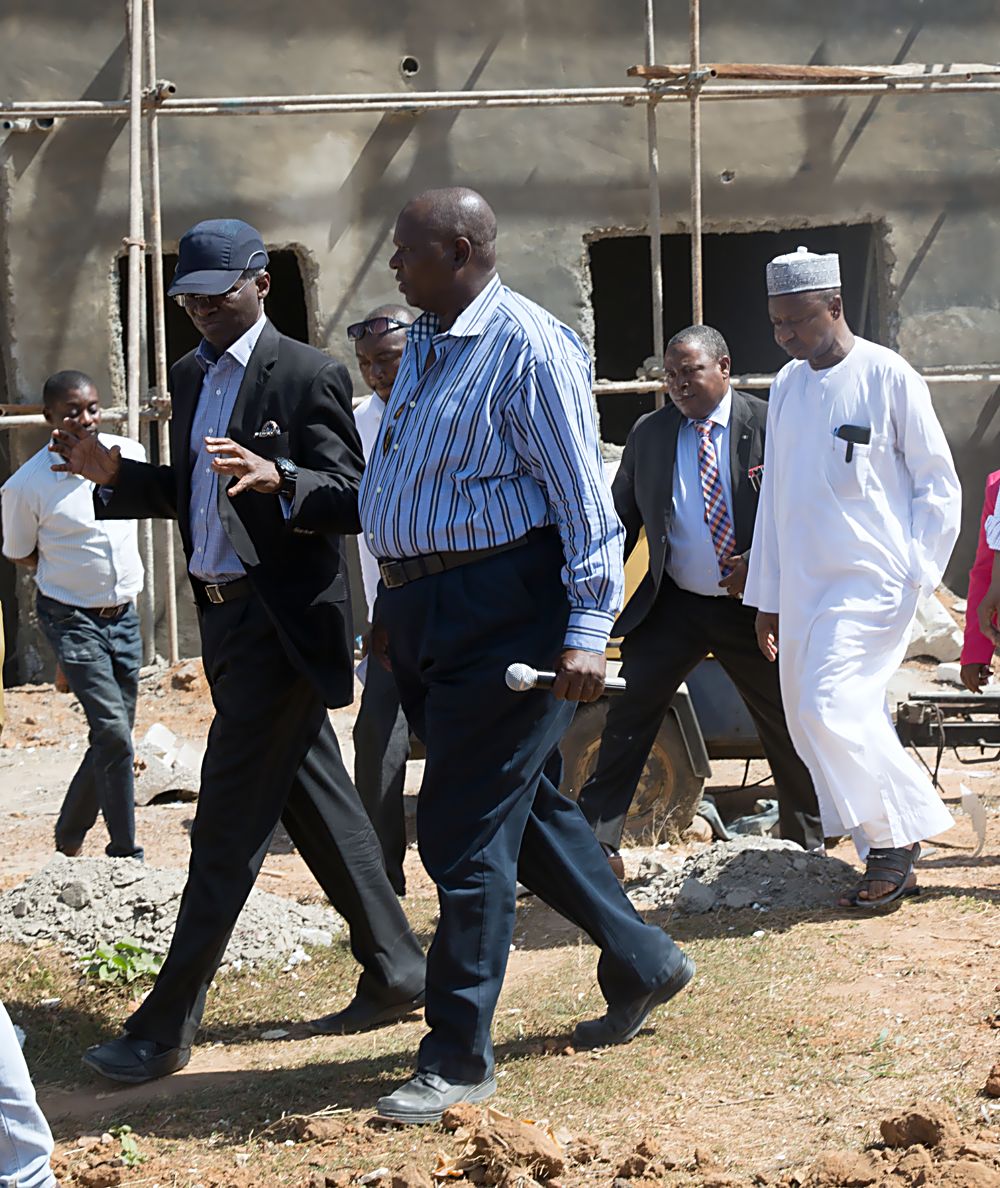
[{"x": 802, "y": 1030}]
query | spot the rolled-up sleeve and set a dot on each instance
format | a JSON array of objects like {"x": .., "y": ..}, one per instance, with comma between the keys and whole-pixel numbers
[
  {"x": 20, "y": 523},
  {"x": 557, "y": 443}
]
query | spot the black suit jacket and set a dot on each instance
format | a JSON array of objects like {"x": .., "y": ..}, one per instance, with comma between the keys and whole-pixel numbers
[
  {"x": 295, "y": 564},
  {"x": 644, "y": 485}
]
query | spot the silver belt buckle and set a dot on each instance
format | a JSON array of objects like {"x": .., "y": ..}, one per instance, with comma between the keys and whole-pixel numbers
[{"x": 214, "y": 595}]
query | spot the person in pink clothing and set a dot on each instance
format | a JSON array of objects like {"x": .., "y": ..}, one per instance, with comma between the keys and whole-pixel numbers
[{"x": 977, "y": 648}]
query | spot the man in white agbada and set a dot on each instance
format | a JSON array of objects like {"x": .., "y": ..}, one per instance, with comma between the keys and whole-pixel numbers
[{"x": 859, "y": 511}]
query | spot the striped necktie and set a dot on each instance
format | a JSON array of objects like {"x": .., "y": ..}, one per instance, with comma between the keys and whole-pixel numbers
[{"x": 716, "y": 512}]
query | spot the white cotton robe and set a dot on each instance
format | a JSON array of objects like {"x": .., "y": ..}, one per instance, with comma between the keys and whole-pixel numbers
[{"x": 841, "y": 551}]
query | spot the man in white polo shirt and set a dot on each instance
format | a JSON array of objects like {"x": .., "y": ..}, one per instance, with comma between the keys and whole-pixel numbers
[{"x": 88, "y": 574}]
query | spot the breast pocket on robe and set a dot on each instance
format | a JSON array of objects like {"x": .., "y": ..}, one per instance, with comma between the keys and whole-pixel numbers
[{"x": 850, "y": 479}]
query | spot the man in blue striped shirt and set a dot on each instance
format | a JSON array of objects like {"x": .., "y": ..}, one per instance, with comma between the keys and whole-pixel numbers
[{"x": 485, "y": 501}]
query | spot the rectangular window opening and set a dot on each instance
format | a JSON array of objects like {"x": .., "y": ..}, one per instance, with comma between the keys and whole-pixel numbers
[{"x": 734, "y": 295}]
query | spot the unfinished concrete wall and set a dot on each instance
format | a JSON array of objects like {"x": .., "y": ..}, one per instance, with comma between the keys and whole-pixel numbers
[{"x": 331, "y": 185}]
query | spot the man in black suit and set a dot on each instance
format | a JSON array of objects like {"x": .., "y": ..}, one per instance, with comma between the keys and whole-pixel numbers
[
  {"x": 265, "y": 480},
  {"x": 690, "y": 476}
]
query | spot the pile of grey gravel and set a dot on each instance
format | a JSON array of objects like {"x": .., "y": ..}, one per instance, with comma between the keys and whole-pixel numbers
[
  {"x": 749, "y": 872},
  {"x": 79, "y": 903}
]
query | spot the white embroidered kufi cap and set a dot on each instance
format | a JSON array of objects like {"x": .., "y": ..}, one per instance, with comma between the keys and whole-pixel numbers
[{"x": 802, "y": 272}]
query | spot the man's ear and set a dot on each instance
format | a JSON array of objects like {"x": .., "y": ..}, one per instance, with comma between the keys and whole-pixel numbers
[
  {"x": 462, "y": 253},
  {"x": 725, "y": 365},
  {"x": 47, "y": 414},
  {"x": 836, "y": 307}
]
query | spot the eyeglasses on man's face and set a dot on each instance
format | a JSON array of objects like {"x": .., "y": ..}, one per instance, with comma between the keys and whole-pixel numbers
[
  {"x": 210, "y": 300},
  {"x": 375, "y": 326}
]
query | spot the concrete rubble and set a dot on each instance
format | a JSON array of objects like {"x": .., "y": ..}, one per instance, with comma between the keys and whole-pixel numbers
[
  {"x": 166, "y": 764},
  {"x": 749, "y": 872},
  {"x": 78, "y": 903},
  {"x": 935, "y": 633}
]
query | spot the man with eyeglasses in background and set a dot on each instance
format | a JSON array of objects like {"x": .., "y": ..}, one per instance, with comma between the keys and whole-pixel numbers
[
  {"x": 266, "y": 480},
  {"x": 381, "y": 733}
]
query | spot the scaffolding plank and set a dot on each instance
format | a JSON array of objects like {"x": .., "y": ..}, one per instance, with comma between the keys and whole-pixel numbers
[
  {"x": 790, "y": 73},
  {"x": 21, "y": 410}
]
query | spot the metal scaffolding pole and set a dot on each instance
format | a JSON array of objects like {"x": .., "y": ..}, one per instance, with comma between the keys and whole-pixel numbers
[
  {"x": 147, "y": 597},
  {"x": 134, "y": 242},
  {"x": 694, "y": 84},
  {"x": 135, "y": 337},
  {"x": 469, "y": 100},
  {"x": 655, "y": 214},
  {"x": 159, "y": 326}
]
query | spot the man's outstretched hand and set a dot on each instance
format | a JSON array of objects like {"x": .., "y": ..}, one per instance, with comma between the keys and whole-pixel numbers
[
  {"x": 580, "y": 675},
  {"x": 81, "y": 453},
  {"x": 767, "y": 634}
]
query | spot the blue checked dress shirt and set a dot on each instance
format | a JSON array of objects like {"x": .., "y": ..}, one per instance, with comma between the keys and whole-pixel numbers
[
  {"x": 213, "y": 558},
  {"x": 692, "y": 561},
  {"x": 496, "y": 438}
]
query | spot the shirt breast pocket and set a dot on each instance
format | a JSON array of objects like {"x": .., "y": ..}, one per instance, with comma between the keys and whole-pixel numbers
[{"x": 849, "y": 467}]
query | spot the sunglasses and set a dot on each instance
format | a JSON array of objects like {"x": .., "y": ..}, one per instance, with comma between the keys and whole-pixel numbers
[
  {"x": 376, "y": 326},
  {"x": 197, "y": 300}
]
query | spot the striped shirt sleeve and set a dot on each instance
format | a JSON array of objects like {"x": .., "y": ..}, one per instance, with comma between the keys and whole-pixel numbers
[{"x": 555, "y": 436}]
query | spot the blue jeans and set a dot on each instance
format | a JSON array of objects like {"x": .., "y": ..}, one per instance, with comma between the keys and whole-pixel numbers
[
  {"x": 25, "y": 1138},
  {"x": 101, "y": 659}
]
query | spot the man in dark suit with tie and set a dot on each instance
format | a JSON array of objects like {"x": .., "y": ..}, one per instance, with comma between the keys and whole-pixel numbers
[
  {"x": 265, "y": 479},
  {"x": 690, "y": 476}
]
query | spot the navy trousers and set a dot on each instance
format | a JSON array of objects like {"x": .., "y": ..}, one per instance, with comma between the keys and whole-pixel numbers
[
  {"x": 101, "y": 660},
  {"x": 486, "y": 815}
]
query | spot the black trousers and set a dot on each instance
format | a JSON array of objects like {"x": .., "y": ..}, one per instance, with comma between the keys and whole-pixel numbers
[
  {"x": 486, "y": 815},
  {"x": 677, "y": 634},
  {"x": 381, "y": 748},
  {"x": 272, "y": 755}
]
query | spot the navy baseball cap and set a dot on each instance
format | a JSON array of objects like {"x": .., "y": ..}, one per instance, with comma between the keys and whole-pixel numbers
[{"x": 213, "y": 254}]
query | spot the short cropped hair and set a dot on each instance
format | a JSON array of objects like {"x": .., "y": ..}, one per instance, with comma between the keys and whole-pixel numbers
[
  {"x": 58, "y": 386},
  {"x": 706, "y": 337}
]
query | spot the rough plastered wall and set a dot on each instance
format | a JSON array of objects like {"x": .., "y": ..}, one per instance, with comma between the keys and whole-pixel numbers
[{"x": 332, "y": 185}]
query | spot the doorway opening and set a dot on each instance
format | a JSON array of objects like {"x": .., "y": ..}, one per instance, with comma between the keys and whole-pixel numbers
[
  {"x": 285, "y": 305},
  {"x": 735, "y": 300}
]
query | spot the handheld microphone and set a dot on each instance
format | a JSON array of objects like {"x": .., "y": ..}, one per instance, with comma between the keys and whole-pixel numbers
[{"x": 522, "y": 677}]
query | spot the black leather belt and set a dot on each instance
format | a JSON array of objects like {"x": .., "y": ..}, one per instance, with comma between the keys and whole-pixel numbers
[
  {"x": 217, "y": 593},
  {"x": 399, "y": 573}
]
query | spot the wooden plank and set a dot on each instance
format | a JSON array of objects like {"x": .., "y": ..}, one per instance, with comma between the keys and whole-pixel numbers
[
  {"x": 21, "y": 410},
  {"x": 767, "y": 72}
]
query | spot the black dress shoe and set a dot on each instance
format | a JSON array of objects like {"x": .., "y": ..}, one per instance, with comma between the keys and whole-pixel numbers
[
  {"x": 422, "y": 1100},
  {"x": 361, "y": 1014},
  {"x": 134, "y": 1061},
  {"x": 624, "y": 1019}
]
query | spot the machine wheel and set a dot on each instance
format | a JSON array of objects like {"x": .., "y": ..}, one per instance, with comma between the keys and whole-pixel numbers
[{"x": 669, "y": 791}]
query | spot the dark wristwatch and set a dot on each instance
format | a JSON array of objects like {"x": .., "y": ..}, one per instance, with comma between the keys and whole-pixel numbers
[{"x": 288, "y": 472}]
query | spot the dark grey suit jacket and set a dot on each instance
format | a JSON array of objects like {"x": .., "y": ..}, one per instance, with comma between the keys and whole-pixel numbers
[
  {"x": 295, "y": 564},
  {"x": 644, "y": 485}
]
